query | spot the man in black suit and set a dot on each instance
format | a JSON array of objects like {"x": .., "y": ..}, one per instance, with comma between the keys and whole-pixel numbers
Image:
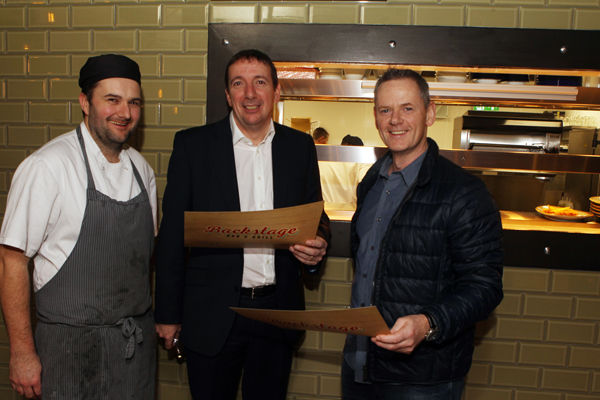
[{"x": 244, "y": 162}]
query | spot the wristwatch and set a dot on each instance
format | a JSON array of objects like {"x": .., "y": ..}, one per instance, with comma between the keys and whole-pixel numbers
[{"x": 433, "y": 328}]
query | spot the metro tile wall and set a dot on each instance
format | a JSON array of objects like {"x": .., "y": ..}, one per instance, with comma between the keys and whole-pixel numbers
[{"x": 541, "y": 343}]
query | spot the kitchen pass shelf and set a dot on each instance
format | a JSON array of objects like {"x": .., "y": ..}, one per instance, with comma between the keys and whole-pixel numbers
[{"x": 450, "y": 93}]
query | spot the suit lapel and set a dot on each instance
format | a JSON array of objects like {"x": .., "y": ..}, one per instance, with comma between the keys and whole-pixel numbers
[
  {"x": 281, "y": 158},
  {"x": 222, "y": 157}
]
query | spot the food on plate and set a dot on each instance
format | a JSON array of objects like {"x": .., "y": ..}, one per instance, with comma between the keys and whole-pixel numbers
[{"x": 554, "y": 210}]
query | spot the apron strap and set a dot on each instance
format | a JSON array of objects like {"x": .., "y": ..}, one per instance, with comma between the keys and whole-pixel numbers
[{"x": 90, "y": 179}]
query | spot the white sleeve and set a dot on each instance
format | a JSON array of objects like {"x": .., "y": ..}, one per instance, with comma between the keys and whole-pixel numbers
[{"x": 33, "y": 206}]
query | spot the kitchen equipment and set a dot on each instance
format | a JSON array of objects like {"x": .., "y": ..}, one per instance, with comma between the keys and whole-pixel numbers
[{"x": 508, "y": 131}]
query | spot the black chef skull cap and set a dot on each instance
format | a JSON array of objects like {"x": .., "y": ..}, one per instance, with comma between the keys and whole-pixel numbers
[{"x": 107, "y": 66}]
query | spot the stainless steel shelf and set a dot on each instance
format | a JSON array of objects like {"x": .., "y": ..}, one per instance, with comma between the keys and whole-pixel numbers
[
  {"x": 450, "y": 93},
  {"x": 524, "y": 162}
]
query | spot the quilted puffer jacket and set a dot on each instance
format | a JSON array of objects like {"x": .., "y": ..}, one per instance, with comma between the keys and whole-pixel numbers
[{"x": 442, "y": 253}]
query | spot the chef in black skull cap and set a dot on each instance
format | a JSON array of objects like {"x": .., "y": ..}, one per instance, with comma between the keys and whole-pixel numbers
[{"x": 83, "y": 207}]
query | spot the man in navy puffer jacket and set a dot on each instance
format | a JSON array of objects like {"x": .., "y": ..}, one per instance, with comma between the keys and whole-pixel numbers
[{"x": 426, "y": 238}]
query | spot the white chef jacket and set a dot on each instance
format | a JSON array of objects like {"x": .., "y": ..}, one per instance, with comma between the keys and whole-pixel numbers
[
  {"x": 254, "y": 172},
  {"x": 339, "y": 181},
  {"x": 47, "y": 198}
]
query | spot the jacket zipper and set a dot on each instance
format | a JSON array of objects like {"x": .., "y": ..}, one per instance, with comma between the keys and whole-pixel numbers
[{"x": 406, "y": 198}]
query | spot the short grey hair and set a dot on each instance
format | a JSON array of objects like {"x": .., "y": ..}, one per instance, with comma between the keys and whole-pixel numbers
[{"x": 394, "y": 73}]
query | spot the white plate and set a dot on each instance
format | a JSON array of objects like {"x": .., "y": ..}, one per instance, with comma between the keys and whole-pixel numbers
[
  {"x": 595, "y": 200},
  {"x": 514, "y": 82},
  {"x": 486, "y": 81},
  {"x": 580, "y": 215},
  {"x": 452, "y": 79}
]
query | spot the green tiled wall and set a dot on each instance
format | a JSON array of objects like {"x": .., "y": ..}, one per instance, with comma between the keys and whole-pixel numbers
[{"x": 541, "y": 343}]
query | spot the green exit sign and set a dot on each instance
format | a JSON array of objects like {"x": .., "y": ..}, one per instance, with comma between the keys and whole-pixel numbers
[{"x": 486, "y": 108}]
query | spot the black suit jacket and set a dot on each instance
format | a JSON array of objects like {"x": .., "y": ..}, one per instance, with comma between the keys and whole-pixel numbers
[{"x": 202, "y": 177}]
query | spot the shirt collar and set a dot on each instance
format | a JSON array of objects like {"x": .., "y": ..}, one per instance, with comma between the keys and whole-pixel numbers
[
  {"x": 409, "y": 173},
  {"x": 238, "y": 135}
]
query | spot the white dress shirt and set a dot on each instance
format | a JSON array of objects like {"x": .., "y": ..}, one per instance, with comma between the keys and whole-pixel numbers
[
  {"x": 47, "y": 198},
  {"x": 254, "y": 171}
]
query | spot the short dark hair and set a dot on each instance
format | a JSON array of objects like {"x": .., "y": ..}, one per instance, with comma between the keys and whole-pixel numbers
[
  {"x": 252, "y": 55},
  {"x": 350, "y": 140},
  {"x": 319, "y": 133},
  {"x": 394, "y": 73},
  {"x": 88, "y": 92}
]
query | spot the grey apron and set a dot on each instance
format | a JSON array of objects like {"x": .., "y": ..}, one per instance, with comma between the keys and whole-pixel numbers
[{"x": 95, "y": 335}]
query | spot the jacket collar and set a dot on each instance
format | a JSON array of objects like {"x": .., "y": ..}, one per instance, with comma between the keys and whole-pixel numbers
[
  {"x": 281, "y": 150},
  {"x": 428, "y": 163},
  {"x": 221, "y": 154}
]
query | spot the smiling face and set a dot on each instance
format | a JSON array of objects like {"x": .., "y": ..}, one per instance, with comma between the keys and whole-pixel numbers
[
  {"x": 251, "y": 95},
  {"x": 112, "y": 114},
  {"x": 402, "y": 120}
]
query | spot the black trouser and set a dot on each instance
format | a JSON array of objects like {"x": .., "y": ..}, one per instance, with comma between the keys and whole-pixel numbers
[{"x": 261, "y": 350}]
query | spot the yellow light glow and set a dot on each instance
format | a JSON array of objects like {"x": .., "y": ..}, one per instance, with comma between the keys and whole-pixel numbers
[
  {"x": 50, "y": 17},
  {"x": 160, "y": 93}
]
